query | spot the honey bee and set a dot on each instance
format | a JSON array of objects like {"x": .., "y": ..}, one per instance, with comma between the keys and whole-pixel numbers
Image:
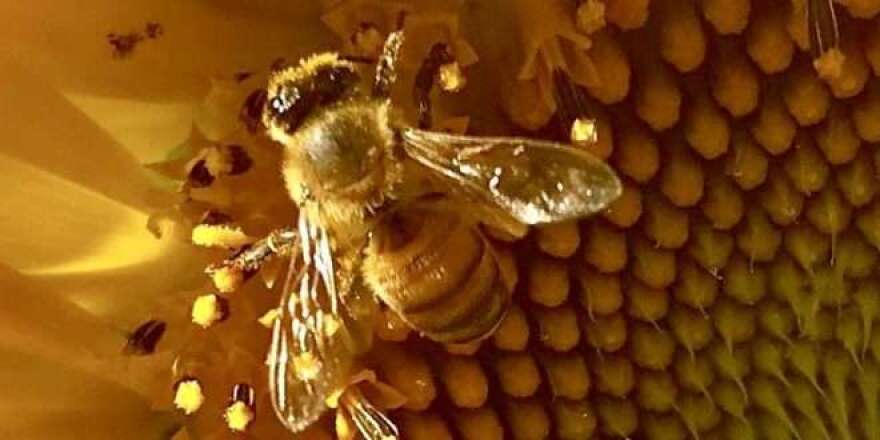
[{"x": 392, "y": 212}]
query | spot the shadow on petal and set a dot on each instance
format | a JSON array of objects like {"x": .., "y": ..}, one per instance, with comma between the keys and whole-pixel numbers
[
  {"x": 67, "y": 44},
  {"x": 46, "y": 399}
]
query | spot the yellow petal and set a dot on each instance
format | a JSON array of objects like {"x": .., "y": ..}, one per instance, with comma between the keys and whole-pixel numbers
[
  {"x": 37, "y": 321},
  {"x": 46, "y": 399},
  {"x": 43, "y": 323}
]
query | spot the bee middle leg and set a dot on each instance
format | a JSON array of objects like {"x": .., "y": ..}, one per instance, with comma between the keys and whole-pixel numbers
[
  {"x": 425, "y": 78},
  {"x": 230, "y": 273}
]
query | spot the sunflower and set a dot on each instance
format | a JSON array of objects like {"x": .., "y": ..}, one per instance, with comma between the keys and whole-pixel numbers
[{"x": 730, "y": 292}]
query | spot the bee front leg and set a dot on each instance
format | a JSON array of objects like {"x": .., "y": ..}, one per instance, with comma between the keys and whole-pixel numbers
[
  {"x": 438, "y": 57},
  {"x": 229, "y": 274}
]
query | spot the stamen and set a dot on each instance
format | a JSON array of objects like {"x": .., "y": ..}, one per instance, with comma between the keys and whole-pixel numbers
[
  {"x": 591, "y": 16},
  {"x": 829, "y": 64},
  {"x": 217, "y": 163},
  {"x": 241, "y": 411},
  {"x": 211, "y": 217},
  {"x": 238, "y": 416},
  {"x": 199, "y": 176},
  {"x": 251, "y": 112},
  {"x": 144, "y": 339},
  {"x": 226, "y": 279},
  {"x": 240, "y": 161},
  {"x": 209, "y": 309},
  {"x": 220, "y": 236},
  {"x": 450, "y": 77},
  {"x": 188, "y": 395}
]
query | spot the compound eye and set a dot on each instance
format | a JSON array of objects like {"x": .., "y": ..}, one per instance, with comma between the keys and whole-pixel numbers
[{"x": 284, "y": 100}]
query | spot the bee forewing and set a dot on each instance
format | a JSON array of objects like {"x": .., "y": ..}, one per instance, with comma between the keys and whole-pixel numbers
[{"x": 534, "y": 182}]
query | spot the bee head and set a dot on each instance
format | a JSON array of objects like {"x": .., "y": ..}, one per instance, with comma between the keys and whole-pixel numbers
[{"x": 296, "y": 92}]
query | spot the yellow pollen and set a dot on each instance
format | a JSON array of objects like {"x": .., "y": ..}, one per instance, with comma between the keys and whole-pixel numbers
[
  {"x": 451, "y": 78},
  {"x": 584, "y": 131},
  {"x": 829, "y": 65},
  {"x": 206, "y": 310},
  {"x": 219, "y": 236},
  {"x": 227, "y": 279},
  {"x": 217, "y": 163},
  {"x": 189, "y": 397},
  {"x": 331, "y": 325},
  {"x": 591, "y": 16},
  {"x": 268, "y": 319},
  {"x": 238, "y": 416},
  {"x": 307, "y": 366}
]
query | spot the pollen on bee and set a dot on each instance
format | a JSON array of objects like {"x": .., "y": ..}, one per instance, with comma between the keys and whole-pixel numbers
[
  {"x": 227, "y": 279},
  {"x": 219, "y": 236},
  {"x": 208, "y": 310},
  {"x": 307, "y": 366},
  {"x": 479, "y": 424},
  {"x": 239, "y": 416},
  {"x": 584, "y": 130},
  {"x": 451, "y": 78}
]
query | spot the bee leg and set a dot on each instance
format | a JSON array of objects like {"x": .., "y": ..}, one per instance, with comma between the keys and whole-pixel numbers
[
  {"x": 230, "y": 273},
  {"x": 425, "y": 78},
  {"x": 573, "y": 114}
]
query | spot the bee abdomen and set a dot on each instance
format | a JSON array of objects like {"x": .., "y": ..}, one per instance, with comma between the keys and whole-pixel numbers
[{"x": 440, "y": 275}]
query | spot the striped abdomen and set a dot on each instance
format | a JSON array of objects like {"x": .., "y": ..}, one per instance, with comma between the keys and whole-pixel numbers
[{"x": 439, "y": 273}]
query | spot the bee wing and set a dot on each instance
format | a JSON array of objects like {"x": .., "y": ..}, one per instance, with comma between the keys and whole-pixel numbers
[
  {"x": 532, "y": 182},
  {"x": 314, "y": 339}
]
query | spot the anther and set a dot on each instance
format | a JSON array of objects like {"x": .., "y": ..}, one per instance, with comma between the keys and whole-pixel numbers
[
  {"x": 241, "y": 410},
  {"x": 209, "y": 309},
  {"x": 188, "y": 395},
  {"x": 144, "y": 339}
]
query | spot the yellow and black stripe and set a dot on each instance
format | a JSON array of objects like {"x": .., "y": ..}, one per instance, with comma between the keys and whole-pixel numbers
[{"x": 439, "y": 273}]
